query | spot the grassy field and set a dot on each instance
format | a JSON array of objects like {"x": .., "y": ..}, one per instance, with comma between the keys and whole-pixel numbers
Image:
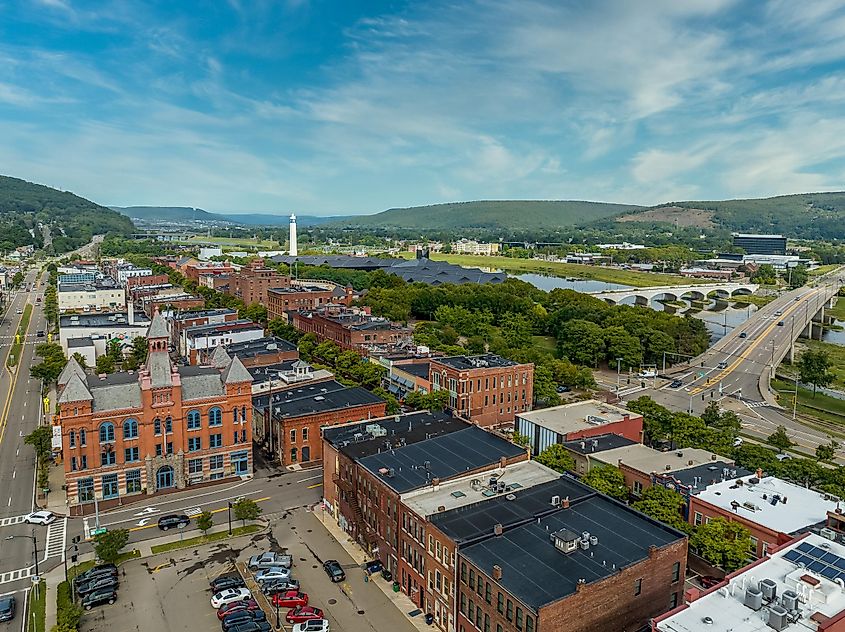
[
  {"x": 36, "y": 614},
  {"x": 247, "y": 243},
  {"x": 546, "y": 343},
  {"x": 838, "y": 310},
  {"x": 205, "y": 539},
  {"x": 753, "y": 299},
  {"x": 576, "y": 270},
  {"x": 17, "y": 347},
  {"x": 824, "y": 269},
  {"x": 821, "y": 406},
  {"x": 837, "y": 359}
]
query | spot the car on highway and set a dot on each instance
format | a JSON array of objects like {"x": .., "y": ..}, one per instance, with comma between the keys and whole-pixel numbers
[
  {"x": 676, "y": 384},
  {"x": 226, "y": 581},
  {"x": 312, "y": 625},
  {"x": 229, "y": 595},
  {"x": 7, "y": 608},
  {"x": 40, "y": 333},
  {"x": 778, "y": 313},
  {"x": 173, "y": 520},
  {"x": 270, "y": 559},
  {"x": 99, "y": 597},
  {"x": 40, "y": 517},
  {"x": 240, "y": 617},
  {"x": 20, "y": 311},
  {"x": 303, "y": 613},
  {"x": 235, "y": 606},
  {"x": 723, "y": 365},
  {"x": 269, "y": 574},
  {"x": 780, "y": 323},
  {"x": 97, "y": 583},
  {"x": 290, "y": 599},
  {"x": 334, "y": 570}
]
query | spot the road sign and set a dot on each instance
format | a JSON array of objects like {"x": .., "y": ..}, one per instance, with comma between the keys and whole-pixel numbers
[{"x": 98, "y": 531}]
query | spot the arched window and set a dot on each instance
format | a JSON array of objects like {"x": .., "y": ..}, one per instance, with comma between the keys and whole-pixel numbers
[
  {"x": 168, "y": 424},
  {"x": 71, "y": 439},
  {"x": 215, "y": 417},
  {"x": 194, "y": 422},
  {"x": 130, "y": 429},
  {"x": 107, "y": 432},
  {"x": 157, "y": 426}
]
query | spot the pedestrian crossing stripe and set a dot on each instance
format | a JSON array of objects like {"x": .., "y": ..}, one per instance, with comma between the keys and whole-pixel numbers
[
  {"x": 13, "y": 576},
  {"x": 756, "y": 404},
  {"x": 7, "y": 522},
  {"x": 56, "y": 533},
  {"x": 193, "y": 511}
]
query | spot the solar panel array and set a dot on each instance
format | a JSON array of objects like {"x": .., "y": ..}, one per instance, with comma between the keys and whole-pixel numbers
[{"x": 818, "y": 560}]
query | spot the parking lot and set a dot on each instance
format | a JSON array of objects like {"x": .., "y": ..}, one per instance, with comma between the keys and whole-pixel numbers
[{"x": 171, "y": 591}]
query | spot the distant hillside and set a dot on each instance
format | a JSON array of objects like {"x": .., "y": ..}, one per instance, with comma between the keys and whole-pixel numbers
[
  {"x": 72, "y": 220},
  {"x": 504, "y": 214},
  {"x": 803, "y": 216},
  {"x": 188, "y": 214}
]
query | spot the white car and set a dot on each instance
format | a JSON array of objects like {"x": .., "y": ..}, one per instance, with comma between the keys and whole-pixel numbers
[
  {"x": 279, "y": 572},
  {"x": 313, "y": 625},
  {"x": 40, "y": 517},
  {"x": 229, "y": 595}
]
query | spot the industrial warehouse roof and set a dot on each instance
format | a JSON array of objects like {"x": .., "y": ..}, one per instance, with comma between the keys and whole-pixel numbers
[
  {"x": 443, "y": 457},
  {"x": 315, "y": 398},
  {"x": 601, "y": 443},
  {"x": 102, "y": 319},
  {"x": 576, "y": 416},
  {"x": 537, "y": 573}
]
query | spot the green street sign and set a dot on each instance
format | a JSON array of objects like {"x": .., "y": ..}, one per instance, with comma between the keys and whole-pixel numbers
[{"x": 98, "y": 531}]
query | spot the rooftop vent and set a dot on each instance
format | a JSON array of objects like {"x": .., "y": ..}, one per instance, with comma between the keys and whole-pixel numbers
[
  {"x": 769, "y": 587},
  {"x": 753, "y": 598},
  {"x": 778, "y": 619},
  {"x": 789, "y": 600},
  {"x": 707, "y": 621}
]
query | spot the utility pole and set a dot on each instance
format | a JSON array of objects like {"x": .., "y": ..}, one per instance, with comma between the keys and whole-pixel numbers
[{"x": 618, "y": 370}]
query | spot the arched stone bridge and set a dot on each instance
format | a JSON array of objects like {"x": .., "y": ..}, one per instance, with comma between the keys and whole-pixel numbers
[{"x": 645, "y": 295}]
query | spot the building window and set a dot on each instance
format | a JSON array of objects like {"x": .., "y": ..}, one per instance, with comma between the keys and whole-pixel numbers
[
  {"x": 107, "y": 432},
  {"x": 243, "y": 413},
  {"x": 83, "y": 462},
  {"x": 305, "y": 434},
  {"x": 85, "y": 488},
  {"x": 194, "y": 466},
  {"x": 240, "y": 462},
  {"x": 194, "y": 444},
  {"x": 676, "y": 572},
  {"x": 518, "y": 618},
  {"x": 509, "y": 611},
  {"x": 293, "y": 455},
  {"x": 110, "y": 486},
  {"x": 194, "y": 422},
  {"x": 638, "y": 587},
  {"x": 529, "y": 623},
  {"x": 487, "y": 596},
  {"x": 168, "y": 425},
  {"x": 478, "y": 616},
  {"x": 82, "y": 437},
  {"x": 215, "y": 441},
  {"x": 463, "y": 569},
  {"x": 479, "y": 584},
  {"x": 71, "y": 439},
  {"x": 486, "y": 616},
  {"x": 500, "y": 604},
  {"x": 169, "y": 447},
  {"x": 131, "y": 454},
  {"x": 293, "y": 435},
  {"x": 697, "y": 518},
  {"x": 243, "y": 436},
  {"x": 107, "y": 457},
  {"x": 235, "y": 414},
  {"x": 215, "y": 417},
  {"x": 463, "y": 603},
  {"x": 158, "y": 449},
  {"x": 753, "y": 547},
  {"x": 130, "y": 429},
  {"x": 157, "y": 426},
  {"x": 215, "y": 462},
  {"x": 638, "y": 488},
  {"x": 133, "y": 481},
  {"x": 499, "y": 627},
  {"x": 673, "y": 601},
  {"x": 471, "y": 579},
  {"x": 73, "y": 464}
]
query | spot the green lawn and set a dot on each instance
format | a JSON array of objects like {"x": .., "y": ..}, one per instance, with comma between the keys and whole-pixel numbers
[
  {"x": 824, "y": 269},
  {"x": 17, "y": 346},
  {"x": 838, "y": 310},
  {"x": 546, "y": 343},
  {"x": 205, "y": 539},
  {"x": 837, "y": 360},
  {"x": 821, "y": 406},
  {"x": 597, "y": 273},
  {"x": 241, "y": 242},
  {"x": 753, "y": 299},
  {"x": 36, "y": 614}
]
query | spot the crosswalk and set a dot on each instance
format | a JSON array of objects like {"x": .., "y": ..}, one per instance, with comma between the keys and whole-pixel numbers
[
  {"x": 193, "y": 511},
  {"x": 13, "y": 576},
  {"x": 756, "y": 404},
  {"x": 56, "y": 536},
  {"x": 8, "y": 522}
]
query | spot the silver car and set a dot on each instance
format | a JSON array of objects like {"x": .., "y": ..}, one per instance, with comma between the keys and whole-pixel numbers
[{"x": 271, "y": 559}]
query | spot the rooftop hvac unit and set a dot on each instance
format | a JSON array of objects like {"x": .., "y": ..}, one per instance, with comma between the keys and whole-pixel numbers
[
  {"x": 777, "y": 617},
  {"x": 555, "y": 501},
  {"x": 829, "y": 534},
  {"x": 375, "y": 430},
  {"x": 272, "y": 346},
  {"x": 753, "y": 598},
  {"x": 584, "y": 544},
  {"x": 789, "y": 600},
  {"x": 769, "y": 588}
]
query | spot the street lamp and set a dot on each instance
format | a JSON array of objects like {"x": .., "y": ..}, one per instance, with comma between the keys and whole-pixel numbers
[
  {"x": 618, "y": 370},
  {"x": 229, "y": 512},
  {"x": 34, "y": 546}
]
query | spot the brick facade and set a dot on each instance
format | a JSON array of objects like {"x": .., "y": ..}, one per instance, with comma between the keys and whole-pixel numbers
[
  {"x": 251, "y": 282},
  {"x": 351, "y": 329}
]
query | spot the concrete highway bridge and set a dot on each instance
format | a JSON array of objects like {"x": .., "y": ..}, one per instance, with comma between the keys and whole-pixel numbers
[{"x": 645, "y": 296}]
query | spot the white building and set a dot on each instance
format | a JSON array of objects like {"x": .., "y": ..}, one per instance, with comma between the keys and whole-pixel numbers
[
  {"x": 207, "y": 252},
  {"x": 100, "y": 329},
  {"x": 623, "y": 246},
  {"x": 799, "y": 588},
  {"x": 470, "y": 247},
  {"x": 90, "y": 296},
  {"x": 128, "y": 270}
]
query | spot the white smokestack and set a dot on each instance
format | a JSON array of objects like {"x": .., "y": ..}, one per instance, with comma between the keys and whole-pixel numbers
[
  {"x": 293, "y": 250},
  {"x": 131, "y": 313}
]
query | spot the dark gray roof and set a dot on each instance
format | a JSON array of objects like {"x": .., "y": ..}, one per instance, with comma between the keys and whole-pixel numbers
[
  {"x": 337, "y": 261},
  {"x": 158, "y": 328},
  {"x": 200, "y": 382},
  {"x": 537, "y": 573},
  {"x": 236, "y": 372},
  {"x": 72, "y": 367},
  {"x": 219, "y": 358},
  {"x": 466, "y": 524},
  {"x": 443, "y": 457},
  {"x": 701, "y": 476},
  {"x": 74, "y": 391},
  {"x": 315, "y": 398},
  {"x": 80, "y": 342},
  {"x": 158, "y": 363},
  {"x": 102, "y": 320},
  {"x": 439, "y": 272},
  {"x": 483, "y": 360},
  {"x": 213, "y": 328},
  {"x": 203, "y": 312},
  {"x": 591, "y": 445},
  {"x": 419, "y": 369},
  {"x": 259, "y": 346},
  {"x": 116, "y": 391}
]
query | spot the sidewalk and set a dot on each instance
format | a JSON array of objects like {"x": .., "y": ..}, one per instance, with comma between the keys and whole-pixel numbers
[{"x": 399, "y": 599}]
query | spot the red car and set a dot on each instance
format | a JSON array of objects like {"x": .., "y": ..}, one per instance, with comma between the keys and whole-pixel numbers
[
  {"x": 229, "y": 608},
  {"x": 303, "y": 614},
  {"x": 290, "y": 599}
]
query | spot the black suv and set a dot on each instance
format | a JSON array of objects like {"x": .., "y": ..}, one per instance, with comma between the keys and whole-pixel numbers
[
  {"x": 334, "y": 571},
  {"x": 103, "y": 570},
  {"x": 252, "y": 626},
  {"x": 173, "y": 520},
  {"x": 227, "y": 581},
  {"x": 98, "y": 583},
  {"x": 240, "y": 617},
  {"x": 7, "y": 608},
  {"x": 100, "y": 596}
]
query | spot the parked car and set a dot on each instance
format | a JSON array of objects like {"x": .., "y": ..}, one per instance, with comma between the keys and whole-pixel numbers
[
  {"x": 229, "y": 595},
  {"x": 7, "y": 608},
  {"x": 290, "y": 599},
  {"x": 782, "y": 457},
  {"x": 98, "y": 597},
  {"x": 737, "y": 442},
  {"x": 40, "y": 517},
  {"x": 334, "y": 570},
  {"x": 226, "y": 581},
  {"x": 252, "y": 626},
  {"x": 270, "y": 559},
  {"x": 235, "y": 606},
  {"x": 312, "y": 625},
  {"x": 303, "y": 613},
  {"x": 240, "y": 617},
  {"x": 97, "y": 583},
  {"x": 173, "y": 520},
  {"x": 274, "y": 586},
  {"x": 676, "y": 384},
  {"x": 98, "y": 571},
  {"x": 278, "y": 572},
  {"x": 40, "y": 333}
]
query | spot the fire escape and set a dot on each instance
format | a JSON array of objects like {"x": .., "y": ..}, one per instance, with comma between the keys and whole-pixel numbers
[{"x": 364, "y": 532}]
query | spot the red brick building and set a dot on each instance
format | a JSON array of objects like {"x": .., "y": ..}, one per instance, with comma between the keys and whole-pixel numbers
[
  {"x": 192, "y": 269},
  {"x": 306, "y": 295},
  {"x": 144, "y": 281},
  {"x": 487, "y": 389},
  {"x": 267, "y": 351},
  {"x": 351, "y": 328},
  {"x": 183, "y": 321},
  {"x": 251, "y": 282},
  {"x": 130, "y": 435},
  {"x": 179, "y": 302}
]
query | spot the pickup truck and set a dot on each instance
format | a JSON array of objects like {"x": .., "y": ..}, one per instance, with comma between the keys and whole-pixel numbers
[{"x": 269, "y": 559}]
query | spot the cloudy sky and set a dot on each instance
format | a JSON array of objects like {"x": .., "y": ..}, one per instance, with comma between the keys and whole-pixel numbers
[{"x": 332, "y": 106}]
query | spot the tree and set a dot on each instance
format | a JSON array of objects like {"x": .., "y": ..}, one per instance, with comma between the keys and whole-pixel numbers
[
  {"x": 665, "y": 505},
  {"x": 17, "y": 279},
  {"x": 765, "y": 275},
  {"x": 722, "y": 543},
  {"x": 114, "y": 351},
  {"x": 582, "y": 342},
  {"x": 521, "y": 439},
  {"x": 826, "y": 451},
  {"x": 105, "y": 364},
  {"x": 545, "y": 390},
  {"x": 711, "y": 414},
  {"x": 620, "y": 344},
  {"x": 204, "y": 521},
  {"x": 41, "y": 440},
  {"x": 392, "y": 404},
  {"x": 813, "y": 368},
  {"x": 607, "y": 479},
  {"x": 80, "y": 359},
  {"x": 557, "y": 458},
  {"x": 780, "y": 439},
  {"x": 53, "y": 362},
  {"x": 798, "y": 276},
  {"x": 434, "y": 401},
  {"x": 139, "y": 349},
  {"x": 246, "y": 509},
  {"x": 516, "y": 330},
  {"x": 108, "y": 545},
  {"x": 282, "y": 329},
  {"x": 256, "y": 312}
]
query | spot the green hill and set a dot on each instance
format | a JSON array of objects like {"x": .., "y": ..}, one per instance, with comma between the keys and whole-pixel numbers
[
  {"x": 505, "y": 214},
  {"x": 72, "y": 220},
  {"x": 189, "y": 214}
]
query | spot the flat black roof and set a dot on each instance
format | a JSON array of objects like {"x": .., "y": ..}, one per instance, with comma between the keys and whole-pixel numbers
[
  {"x": 443, "y": 457},
  {"x": 356, "y": 443},
  {"x": 591, "y": 445},
  {"x": 420, "y": 369},
  {"x": 481, "y": 361},
  {"x": 80, "y": 342},
  {"x": 537, "y": 573},
  {"x": 702, "y": 476},
  {"x": 468, "y": 523},
  {"x": 315, "y": 398},
  {"x": 267, "y": 344},
  {"x": 121, "y": 377}
]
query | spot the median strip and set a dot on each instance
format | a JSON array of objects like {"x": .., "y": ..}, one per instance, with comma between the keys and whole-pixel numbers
[{"x": 17, "y": 346}]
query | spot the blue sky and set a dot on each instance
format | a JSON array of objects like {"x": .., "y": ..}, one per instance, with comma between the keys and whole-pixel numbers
[{"x": 326, "y": 107}]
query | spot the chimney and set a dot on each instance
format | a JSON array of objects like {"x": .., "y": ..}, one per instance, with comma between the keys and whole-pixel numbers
[
  {"x": 565, "y": 503},
  {"x": 497, "y": 529},
  {"x": 760, "y": 473},
  {"x": 441, "y": 508},
  {"x": 497, "y": 572},
  {"x": 435, "y": 482},
  {"x": 503, "y": 461}
]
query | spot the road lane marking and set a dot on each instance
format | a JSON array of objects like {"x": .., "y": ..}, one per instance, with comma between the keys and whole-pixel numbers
[{"x": 315, "y": 485}]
